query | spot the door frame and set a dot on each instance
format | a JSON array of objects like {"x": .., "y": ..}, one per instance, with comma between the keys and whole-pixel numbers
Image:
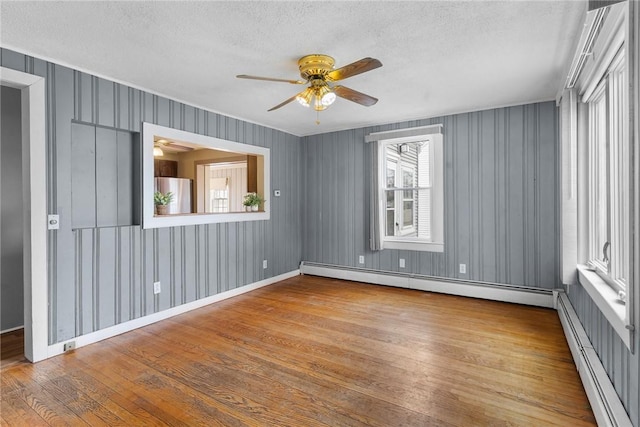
[{"x": 34, "y": 176}]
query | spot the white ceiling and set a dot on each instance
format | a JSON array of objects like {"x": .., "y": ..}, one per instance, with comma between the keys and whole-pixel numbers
[{"x": 438, "y": 57}]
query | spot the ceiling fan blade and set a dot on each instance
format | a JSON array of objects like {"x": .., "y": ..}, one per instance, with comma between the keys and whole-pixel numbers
[
  {"x": 355, "y": 96},
  {"x": 282, "y": 104},
  {"x": 269, "y": 79},
  {"x": 353, "y": 69}
]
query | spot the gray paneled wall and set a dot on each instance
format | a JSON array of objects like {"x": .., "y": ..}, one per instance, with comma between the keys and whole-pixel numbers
[
  {"x": 103, "y": 177},
  {"x": 614, "y": 355},
  {"x": 501, "y": 198},
  {"x": 102, "y": 273}
]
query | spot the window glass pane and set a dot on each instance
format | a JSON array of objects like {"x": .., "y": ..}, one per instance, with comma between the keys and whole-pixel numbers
[
  {"x": 412, "y": 216},
  {"x": 391, "y": 174},
  {"x": 390, "y": 220},
  {"x": 390, "y": 199},
  {"x": 599, "y": 179},
  {"x": 407, "y": 218}
]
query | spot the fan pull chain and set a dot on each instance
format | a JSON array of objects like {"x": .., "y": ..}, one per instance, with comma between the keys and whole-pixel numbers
[{"x": 317, "y": 117}]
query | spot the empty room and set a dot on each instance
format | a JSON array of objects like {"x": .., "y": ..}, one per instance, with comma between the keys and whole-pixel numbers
[{"x": 304, "y": 213}]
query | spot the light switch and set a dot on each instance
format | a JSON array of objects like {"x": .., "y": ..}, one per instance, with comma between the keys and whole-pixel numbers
[{"x": 53, "y": 222}]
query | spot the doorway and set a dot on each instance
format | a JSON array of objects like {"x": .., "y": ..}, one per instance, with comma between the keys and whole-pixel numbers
[
  {"x": 11, "y": 228},
  {"x": 34, "y": 209}
]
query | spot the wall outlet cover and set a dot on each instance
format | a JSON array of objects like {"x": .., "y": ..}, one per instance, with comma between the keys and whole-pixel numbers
[
  {"x": 401, "y": 262},
  {"x": 264, "y": 263},
  {"x": 53, "y": 222},
  {"x": 361, "y": 259},
  {"x": 156, "y": 288},
  {"x": 463, "y": 268}
]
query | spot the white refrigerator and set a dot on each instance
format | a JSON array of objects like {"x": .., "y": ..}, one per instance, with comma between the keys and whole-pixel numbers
[{"x": 181, "y": 189}]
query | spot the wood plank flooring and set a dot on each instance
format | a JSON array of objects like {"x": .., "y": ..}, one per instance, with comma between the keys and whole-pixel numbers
[
  {"x": 311, "y": 351},
  {"x": 12, "y": 348}
]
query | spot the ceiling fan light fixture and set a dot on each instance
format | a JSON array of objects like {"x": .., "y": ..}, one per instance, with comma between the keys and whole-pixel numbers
[
  {"x": 328, "y": 98},
  {"x": 317, "y": 71},
  {"x": 157, "y": 152},
  {"x": 318, "y": 105},
  {"x": 304, "y": 98}
]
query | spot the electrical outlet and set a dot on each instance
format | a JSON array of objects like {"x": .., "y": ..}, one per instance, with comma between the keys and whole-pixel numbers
[
  {"x": 264, "y": 263},
  {"x": 156, "y": 288},
  {"x": 401, "y": 262},
  {"x": 361, "y": 259},
  {"x": 71, "y": 345},
  {"x": 463, "y": 268}
]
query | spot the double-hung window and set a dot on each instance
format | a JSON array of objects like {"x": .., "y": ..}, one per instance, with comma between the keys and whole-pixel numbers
[
  {"x": 608, "y": 186},
  {"x": 596, "y": 137},
  {"x": 409, "y": 195}
]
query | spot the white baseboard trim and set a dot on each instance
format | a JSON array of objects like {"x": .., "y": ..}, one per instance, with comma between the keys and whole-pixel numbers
[
  {"x": 11, "y": 329},
  {"x": 604, "y": 400},
  {"x": 93, "y": 337},
  {"x": 491, "y": 291}
]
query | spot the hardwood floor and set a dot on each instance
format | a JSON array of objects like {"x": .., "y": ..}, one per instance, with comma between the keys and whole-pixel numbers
[
  {"x": 12, "y": 348},
  {"x": 311, "y": 351}
]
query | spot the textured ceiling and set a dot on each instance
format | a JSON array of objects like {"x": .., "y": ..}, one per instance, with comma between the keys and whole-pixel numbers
[{"x": 438, "y": 57}]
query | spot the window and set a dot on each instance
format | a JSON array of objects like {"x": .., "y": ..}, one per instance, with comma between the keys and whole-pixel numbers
[
  {"x": 608, "y": 186},
  {"x": 596, "y": 190},
  {"x": 221, "y": 186},
  {"x": 409, "y": 192}
]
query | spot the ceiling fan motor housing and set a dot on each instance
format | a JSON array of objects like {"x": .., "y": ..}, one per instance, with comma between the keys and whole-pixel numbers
[{"x": 315, "y": 65}]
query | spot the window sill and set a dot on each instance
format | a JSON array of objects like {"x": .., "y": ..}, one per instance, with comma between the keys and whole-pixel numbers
[
  {"x": 606, "y": 298},
  {"x": 413, "y": 246}
]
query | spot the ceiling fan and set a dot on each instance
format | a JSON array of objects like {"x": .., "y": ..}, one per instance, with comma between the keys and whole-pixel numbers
[{"x": 317, "y": 70}]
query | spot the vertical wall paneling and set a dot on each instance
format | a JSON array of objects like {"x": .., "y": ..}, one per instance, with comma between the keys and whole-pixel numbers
[
  {"x": 123, "y": 275},
  {"x": 104, "y": 177},
  {"x": 548, "y": 251},
  {"x": 102, "y": 265},
  {"x": 125, "y": 182},
  {"x": 487, "y": 229},
  {"x": 106, "y": 190},
  {"x": 614, "y": 355},
  {"x": 500, "y": 198},
  {"x": 85, "y": 280},
  {"x": 13, "y": 60},
  {"x": 106, "y": 277},
  {"x": 83, "y": 175},
  {"x": 61, "y": 110},
  {"x": 105, "y": 103}
]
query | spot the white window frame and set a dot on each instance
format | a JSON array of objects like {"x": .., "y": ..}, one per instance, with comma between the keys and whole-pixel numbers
[
  {"x": 604, "y": 70},
  {"x": 608, "y": 165},
  {"x": 436, "y": 243}
]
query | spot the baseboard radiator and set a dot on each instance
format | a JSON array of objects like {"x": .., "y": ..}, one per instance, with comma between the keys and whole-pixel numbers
[
  {"x": 493, "y": 291},
  {"x": 603, "y": 398}
]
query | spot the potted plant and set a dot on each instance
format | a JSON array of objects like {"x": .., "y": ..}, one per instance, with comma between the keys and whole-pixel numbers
[
  {"x": 162, "y": 200},
  {"x": 252, "y": 201}
]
